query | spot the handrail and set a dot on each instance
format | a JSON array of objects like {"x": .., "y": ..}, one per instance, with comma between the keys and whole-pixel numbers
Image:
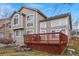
[
  {"x": 45, "y": 33},
  {"x": 38, "y": 37}
]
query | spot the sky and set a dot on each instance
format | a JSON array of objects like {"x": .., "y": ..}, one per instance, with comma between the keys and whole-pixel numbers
[{"x": 49, "y": 9}]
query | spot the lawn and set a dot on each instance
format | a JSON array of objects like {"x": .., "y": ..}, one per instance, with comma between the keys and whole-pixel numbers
[
  {"x": 12, "y": 52},
  {"x": 75, "y": 53}
]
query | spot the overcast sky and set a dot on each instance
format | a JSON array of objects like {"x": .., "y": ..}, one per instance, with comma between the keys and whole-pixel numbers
[{"x": 49, "y": 9}]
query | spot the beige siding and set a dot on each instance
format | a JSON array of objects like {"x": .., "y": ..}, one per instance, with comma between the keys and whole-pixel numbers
[
  {"x": 36, "y": 23},
  {"x": 29, "y": 12},
  {"x": 23, "y": 24},
  {"x": 43, "y": 27},
  {"x": 58, "y": 25},
  {"x": 20, "y": 22},
  {"x": 6, "y": 30}
]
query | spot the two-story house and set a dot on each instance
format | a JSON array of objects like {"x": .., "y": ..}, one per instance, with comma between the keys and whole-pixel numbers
[
  {"x": 25, "y": 21},
  {"x": 32, "y": 21}
]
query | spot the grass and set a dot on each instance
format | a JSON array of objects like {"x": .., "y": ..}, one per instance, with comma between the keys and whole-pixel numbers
[
  {"x": 76, "y": 53},
  {"x": 12, "y": 52},
  {"x": 25, "y": 54}
]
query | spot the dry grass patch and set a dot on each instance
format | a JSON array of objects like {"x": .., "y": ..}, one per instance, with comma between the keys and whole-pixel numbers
[{"x": 12, "y": 52}]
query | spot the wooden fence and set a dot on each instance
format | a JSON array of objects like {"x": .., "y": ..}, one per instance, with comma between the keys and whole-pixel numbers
[
  {"x": 75, "y": 42},
  {"x": 47, "y": 42}
]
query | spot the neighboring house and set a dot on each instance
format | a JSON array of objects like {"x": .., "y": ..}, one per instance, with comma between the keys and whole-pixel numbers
[
  {"x": 56, "y": 24},
  {"x": 75, "y": 34},
  {"x": 25, "y": 21},
  {"x": 5, "y": 28}
]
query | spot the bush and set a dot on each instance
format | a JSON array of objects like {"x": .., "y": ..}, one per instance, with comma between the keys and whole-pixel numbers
[
  {"x": 73, "y": 38},
  {"x": 22, "y": 48},
  {"x": 6, "y": 41}
]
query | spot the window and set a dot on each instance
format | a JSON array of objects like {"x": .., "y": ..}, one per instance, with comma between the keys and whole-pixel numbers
[
  {"x": 1, "y": 34},
  {"x": 30, "y": 18},
  {"x": 16, "y": 19},
  {"x": 17, "y": 33},
  {"x": 43, "y": 25},
  {"x": 29, "y": 24},
  {"x": 53, "y": 35},
  {"x": 30, "y": 32},
  {"x": 8, "y": 25}
]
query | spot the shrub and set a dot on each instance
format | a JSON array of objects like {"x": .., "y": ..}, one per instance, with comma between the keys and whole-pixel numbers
[{"x": 6, "y": 41}]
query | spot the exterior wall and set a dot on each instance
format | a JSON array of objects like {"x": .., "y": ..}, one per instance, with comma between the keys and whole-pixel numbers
[
  {"x": 29, "y": 12},
  {"x": 20, "y": 22},
  {"x": 18, "y": 39},
  {"x": 37, "y": 17},
  {"x": 43, "y": 27},
  {"x": 38, "y": 23},
  {"x": 20, "y": 27},
  {"x": 23, "y": 24},
  {"x": 57, "y": 25}
]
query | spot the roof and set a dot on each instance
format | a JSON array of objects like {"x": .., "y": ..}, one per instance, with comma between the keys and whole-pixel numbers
[
  {"x": 15, "y": 13},
  {"x": 30, "y": 9},
  {"x": 5, "y": 19},
  {"x": 56, "y": 17}
]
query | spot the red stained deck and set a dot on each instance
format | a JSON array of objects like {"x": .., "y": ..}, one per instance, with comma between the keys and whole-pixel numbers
[{"x": 48, "y": 42}]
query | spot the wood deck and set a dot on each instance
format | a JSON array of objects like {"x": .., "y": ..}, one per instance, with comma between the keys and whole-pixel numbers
[{"x": 48, "y": 42}]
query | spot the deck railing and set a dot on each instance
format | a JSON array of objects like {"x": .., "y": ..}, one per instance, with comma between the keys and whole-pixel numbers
[
  {"x": 47, "y": 42},
  {"x": 49, "y": 38}
]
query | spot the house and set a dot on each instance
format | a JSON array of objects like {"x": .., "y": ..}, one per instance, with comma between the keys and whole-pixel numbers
[
  {"x": 25, "y": 21},
  {"x": 5, "y": 28},
  {"x": 32, "y": 21}
]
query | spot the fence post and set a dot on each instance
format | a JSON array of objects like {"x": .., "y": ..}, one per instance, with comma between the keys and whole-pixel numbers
[{"x": 60, "y": 38}]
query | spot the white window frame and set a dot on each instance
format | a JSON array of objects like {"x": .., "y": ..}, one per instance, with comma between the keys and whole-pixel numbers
[
  {"x": 43, "y": 36},
  {"x": 29, "y": 21},
  {"x": 15, "y": 33},
  {"x": 18, "y": 19},
  {"x": 42, "y": 30},
  {"x": 43, "y": 25},
  {"x": 19, "y": 33},
  {"x": 1, "y": 34},
  {"x": 30, "y": 30}
]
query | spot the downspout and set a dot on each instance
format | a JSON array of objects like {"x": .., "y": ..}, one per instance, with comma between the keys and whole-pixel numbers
[{"x": 37, "y": 23}]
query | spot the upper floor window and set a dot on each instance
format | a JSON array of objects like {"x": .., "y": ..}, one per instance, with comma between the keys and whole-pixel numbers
[
  {"x": 16, "y": 19},
  {"x": 30, "y": 18},
  {"x": 8, "y": 25}
]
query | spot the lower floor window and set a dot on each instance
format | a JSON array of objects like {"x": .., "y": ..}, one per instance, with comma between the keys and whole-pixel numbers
[
  {"x": 1, "y": 34},
  {"x": 17, "y": 33},
  {"x": 29, "y": 24},
  {"x": 42, "y": 31},
  {"x": 29, "y": 31}
]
